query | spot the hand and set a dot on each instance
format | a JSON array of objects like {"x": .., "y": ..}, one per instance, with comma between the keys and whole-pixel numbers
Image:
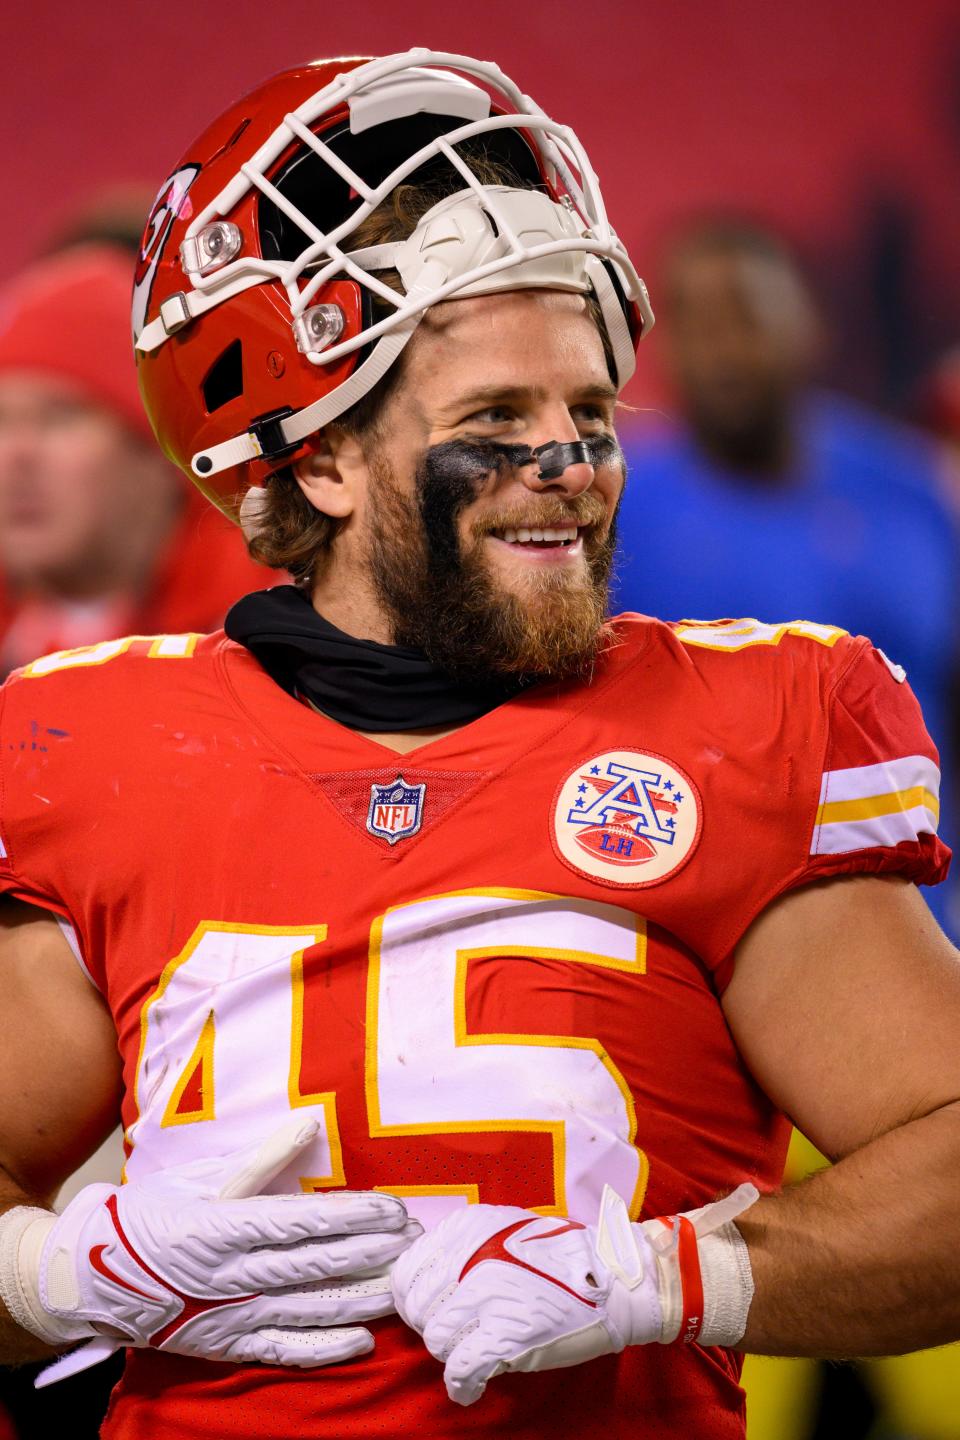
[
  {"x": 494, "y": 1288},
  {"x": 179, "y": 1262}
]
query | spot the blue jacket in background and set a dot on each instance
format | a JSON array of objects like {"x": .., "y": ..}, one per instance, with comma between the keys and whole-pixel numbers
[{"x": 860, "y": 534}]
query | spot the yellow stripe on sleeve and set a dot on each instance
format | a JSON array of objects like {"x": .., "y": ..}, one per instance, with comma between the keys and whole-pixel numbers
[{"x": 874, "y": 805}]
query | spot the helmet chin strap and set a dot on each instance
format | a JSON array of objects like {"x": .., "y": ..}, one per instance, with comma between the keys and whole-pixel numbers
[{"x": 288, "y": 432}]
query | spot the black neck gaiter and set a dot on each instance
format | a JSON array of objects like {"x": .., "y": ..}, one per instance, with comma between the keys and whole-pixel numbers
[{"x": 366, "y": 686}]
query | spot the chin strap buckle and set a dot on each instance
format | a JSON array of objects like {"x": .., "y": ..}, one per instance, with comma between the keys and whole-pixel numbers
[
  {"x": 268, "y": 430},
  {"x": 263, "y": 439}
]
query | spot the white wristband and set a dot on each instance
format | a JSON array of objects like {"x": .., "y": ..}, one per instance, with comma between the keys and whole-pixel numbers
[
  {"x": 23, "y": 1231},
  {"x": 725, "y": 1277},
  {"x": 727, "y": 1286}
]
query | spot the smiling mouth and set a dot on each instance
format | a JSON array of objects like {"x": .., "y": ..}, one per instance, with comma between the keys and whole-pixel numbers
[{"x": 537, "y": 538}]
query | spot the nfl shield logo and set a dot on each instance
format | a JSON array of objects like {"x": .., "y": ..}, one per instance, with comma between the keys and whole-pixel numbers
[{"x": 396, "y": 810}]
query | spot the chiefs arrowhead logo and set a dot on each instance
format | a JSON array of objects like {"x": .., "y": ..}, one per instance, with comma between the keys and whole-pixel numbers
[{"x": 171, "y": 203}]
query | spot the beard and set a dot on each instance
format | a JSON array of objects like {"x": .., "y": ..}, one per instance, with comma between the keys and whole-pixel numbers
[{"x": 444, "y": 598}]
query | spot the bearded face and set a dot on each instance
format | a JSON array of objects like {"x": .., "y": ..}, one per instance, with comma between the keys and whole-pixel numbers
[
  {"x": 453, "y": 537},
  {"x": 434, "y": 567}
]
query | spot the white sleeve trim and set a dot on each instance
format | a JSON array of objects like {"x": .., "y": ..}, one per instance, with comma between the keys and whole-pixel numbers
[
  {"x": 860, "y": 782},
  {"x": 865, "y": 807},
  {"x": 70, "y": 935}
]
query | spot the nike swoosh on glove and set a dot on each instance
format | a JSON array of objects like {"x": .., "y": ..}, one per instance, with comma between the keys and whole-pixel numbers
[
  {"x": 177, "y": 1262},
  {"x": 495, "y": 1288}
]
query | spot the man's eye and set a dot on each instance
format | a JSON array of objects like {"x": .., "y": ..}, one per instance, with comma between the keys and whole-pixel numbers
[
  {"x": 592, "y": 415},
  {"x": 493, "y": 415}
]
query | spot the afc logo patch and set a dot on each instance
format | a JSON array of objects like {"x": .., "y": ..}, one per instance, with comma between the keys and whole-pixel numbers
[
  {"x": 627, "y": 818},
  {"x": 396, "y": 810}
]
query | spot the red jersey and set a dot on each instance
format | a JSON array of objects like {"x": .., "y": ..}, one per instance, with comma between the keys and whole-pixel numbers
[{"x": 490, "y": 968}]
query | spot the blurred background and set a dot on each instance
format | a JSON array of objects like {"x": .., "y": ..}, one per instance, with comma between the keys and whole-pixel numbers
[
  {"x": 838, "y": 123},
  {"x": 786, "y": 177}
]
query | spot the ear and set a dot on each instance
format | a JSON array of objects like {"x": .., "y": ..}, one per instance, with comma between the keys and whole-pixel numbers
[{"x": 334, "y": 475}]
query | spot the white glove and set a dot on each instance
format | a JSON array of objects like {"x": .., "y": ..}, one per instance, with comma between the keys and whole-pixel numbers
[
  {"x": 495, "y": 1288},
  {"x": 174, "y": 1261}
]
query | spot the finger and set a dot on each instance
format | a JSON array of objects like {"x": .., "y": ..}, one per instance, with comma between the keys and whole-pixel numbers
[
  {"x": 472, "y": 1364},
  {"x": 312, "y": 1307},
  {"x": 504, "y": 1323},
  {"x": 282, "y": 1219},
  {"x": 406, "y": 1269},
  {"x": 422, "y": 1280},
  {"x": 449, "y": 1322},
  {"x": 366, "y": 1210},
  {"x": 273, "y": 1155},
  {"x": 304, "y": 1349},
  {"x": 273, "y": 1269}
]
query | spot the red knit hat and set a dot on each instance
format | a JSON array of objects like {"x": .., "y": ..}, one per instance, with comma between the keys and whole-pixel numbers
[{"x": 68, "y": 316}]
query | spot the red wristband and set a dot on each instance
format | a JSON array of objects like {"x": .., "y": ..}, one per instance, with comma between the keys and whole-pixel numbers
[{"x": 691, "y": 1280}]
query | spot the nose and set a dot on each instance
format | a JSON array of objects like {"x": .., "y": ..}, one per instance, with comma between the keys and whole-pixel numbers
[
  {"x": 560, "y": 465},
  {"x": 557, "y": 456},
  {"x": 573, "y": 480},
  {"x": 562, "y": 462}
]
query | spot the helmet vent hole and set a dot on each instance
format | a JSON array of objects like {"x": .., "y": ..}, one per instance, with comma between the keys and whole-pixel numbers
[{"x": 224, "y": 379}]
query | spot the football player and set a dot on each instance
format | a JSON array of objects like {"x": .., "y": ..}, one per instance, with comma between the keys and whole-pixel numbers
[{"x": 447, "y": 945}]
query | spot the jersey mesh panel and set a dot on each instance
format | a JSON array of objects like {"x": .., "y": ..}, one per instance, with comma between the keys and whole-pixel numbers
[{"x": 350, "y": 791}]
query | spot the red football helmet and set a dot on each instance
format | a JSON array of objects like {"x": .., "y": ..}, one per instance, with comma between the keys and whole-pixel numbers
[{"x": 254, "y": 323}]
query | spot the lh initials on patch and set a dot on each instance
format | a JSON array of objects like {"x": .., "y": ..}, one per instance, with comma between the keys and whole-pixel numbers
[{"x": 627, "y": 818}]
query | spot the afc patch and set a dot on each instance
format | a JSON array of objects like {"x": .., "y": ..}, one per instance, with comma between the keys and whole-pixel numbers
[
  {"x": 396, "y": 810},
  {"x": 627, "y": 818}
]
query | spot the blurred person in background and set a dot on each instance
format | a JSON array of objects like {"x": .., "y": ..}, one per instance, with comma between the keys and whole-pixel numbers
[
  {"x": 938, "y": 405},
  {"x": 99, "y": 536},
  {"x": 765, "y": 496},
  {"x": 111, "y": 215}
]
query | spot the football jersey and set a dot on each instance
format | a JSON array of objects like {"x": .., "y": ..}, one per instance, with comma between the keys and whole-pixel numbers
[{"x": 490, "y": 968}]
